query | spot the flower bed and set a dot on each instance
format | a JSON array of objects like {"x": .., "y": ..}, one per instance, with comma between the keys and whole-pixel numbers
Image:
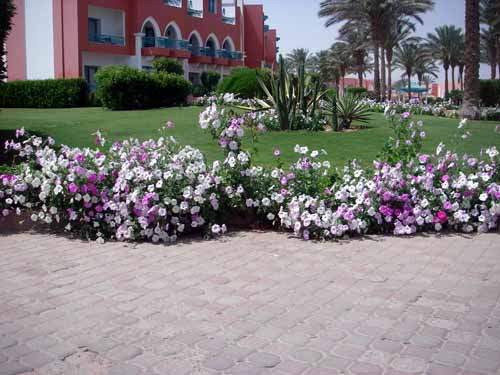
[{"x": 158, "y": 190}]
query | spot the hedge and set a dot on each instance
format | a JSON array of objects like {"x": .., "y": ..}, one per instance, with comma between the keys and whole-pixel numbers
[
  {"x": 122, "y": 87},
  {"x": 361, "y": 91},
  {"x": 243, "y": 82},
  {"x": 490, "y": 92},
  {"x": 166, "y": 65},
  {"x": 49, "y": 93},
  {"x": 210, "y": 80}
]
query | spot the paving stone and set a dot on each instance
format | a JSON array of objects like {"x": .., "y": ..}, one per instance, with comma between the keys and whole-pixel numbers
[
  {"x": 264, "y": 360},
  {"x": 409, "y": 365},
  {"x": 14, "y": 368},
  {"x": 124, "y": 353},
  {"x": 307, "y": 355},
  {"x": 250, "y": 304},
  {"x": 218, "y": 363}
]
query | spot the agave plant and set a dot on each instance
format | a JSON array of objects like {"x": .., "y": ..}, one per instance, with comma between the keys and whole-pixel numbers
[
  {"x": 289, "y": 95},
  {"x": 348, "y": 108}
]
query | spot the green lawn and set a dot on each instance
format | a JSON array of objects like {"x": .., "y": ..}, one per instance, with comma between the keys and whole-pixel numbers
[{"x": 74, "y": 127}]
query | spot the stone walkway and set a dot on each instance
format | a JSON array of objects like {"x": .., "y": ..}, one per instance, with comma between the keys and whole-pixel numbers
[{"x": 252, "y": 303}]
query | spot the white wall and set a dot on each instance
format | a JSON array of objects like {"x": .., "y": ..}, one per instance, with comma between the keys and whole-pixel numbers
[
  {"x": 101, "y": 59},
  {"x": 39, "y": 39},
  {"x": 111, "y": 20}
]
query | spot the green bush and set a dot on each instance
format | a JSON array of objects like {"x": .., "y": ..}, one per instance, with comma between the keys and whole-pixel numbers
[
  {"x": 166, "y": 65},
  {"x": 122, "y": 87},
  {"x": 49, "y": 93},
  {"x": 359, "y": 91},
  {"x": 173, "y": 89},
  {"x": 198, "y": 90},
  {"x": 210, "y": 80},
  {"x": 490, "y": 92},
  {"x": 243, "y": 82},
  {"x": 456, "y": 96}
]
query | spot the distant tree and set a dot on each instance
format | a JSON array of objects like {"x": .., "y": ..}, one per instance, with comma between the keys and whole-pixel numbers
[
  {"x": 377, "y": 15},
  {"x": 297, "y": 57},
  {"x": 489, "y": 50},
  {"x": 356, "y": 36},
  {"x": 7, "y": 11},
  {"x": 342, "y": 59},
  {"x": 490, "y": 16},
  {"x": 399, "y": 31},
  {"x": 470, "y": 108},
  {"x": 441, "y": 44},
  {"x": 407, "y": 57}
]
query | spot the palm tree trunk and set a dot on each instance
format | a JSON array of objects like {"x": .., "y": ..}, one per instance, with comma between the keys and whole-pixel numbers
[
  {"x": 376, "y": 71},
  {"x": 498, "y": 57},
  {"x": 389, "y": 79},
  {"x": 470, "y": 107},
  {"x": 461, "y": 73},
  {"x": 382, "y": 73},
  {"x": 408, "y": 73},
  {"x": 493, "y": 69},
  {"x": 446, "y": 83},
  {"x": 453, "y": 77},
  {"x": 360, "y": 78}
]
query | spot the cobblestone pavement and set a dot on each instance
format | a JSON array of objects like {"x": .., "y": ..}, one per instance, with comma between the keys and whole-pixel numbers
[{"x": 252, "y": 303}]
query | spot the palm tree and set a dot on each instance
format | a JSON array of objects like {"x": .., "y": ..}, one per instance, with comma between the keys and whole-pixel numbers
[
  {"x": 457, "y": 47},
  {"x": 376, "y": 14},
  {"x": 407, "y": 57},
  {"x": 489, "y": 50},
  {"x": 490, "y": 16},
  {"x": 440, "y": 43},
  {"x": 297, "y": 57},
  {"x": 342, "y": 59},
  {"x": 425, "y": 66},
  {"x": 428, "y": 80},
  {"x": 399, "y": 31},
  {"x": 327, "y": 68},
  {"x": 470, "y": 107},
  {"x": 356, "y": 37}
]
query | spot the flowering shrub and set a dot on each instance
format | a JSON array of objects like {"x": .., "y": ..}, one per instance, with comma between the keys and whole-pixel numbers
[{"x": 157, "y": 190}]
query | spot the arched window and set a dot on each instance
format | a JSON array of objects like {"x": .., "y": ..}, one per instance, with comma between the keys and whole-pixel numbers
[
  {"x": 150, "y": 29},
  {"x": 228, "y": 45},
  {"x": 171, "y": 33},
  {"x": 212, "y": 45}
]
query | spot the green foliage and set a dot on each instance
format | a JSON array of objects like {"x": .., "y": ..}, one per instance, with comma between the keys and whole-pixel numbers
[
  {"x": 210, "y": 80},
  {"x": 7, "y": 11},
  {"x": 490, "y": 92},
  {"x": 456, "y": 96},
  {"x": 360, "y": 91},
  {"x": 198, "y": 90},
  {"x": 50, "y": 93},
  {"x": 243, "y": 82},
  {"x": 122, "y": 87},
  {"x": 348, "y": 108},
  {"x": 166, "y": 65}
]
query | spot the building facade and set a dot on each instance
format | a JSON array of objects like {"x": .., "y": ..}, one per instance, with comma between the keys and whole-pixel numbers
[{"x": 74, "y": 38}]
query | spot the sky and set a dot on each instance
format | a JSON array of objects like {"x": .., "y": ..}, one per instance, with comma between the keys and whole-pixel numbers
[{"x": 299, "y": 26}]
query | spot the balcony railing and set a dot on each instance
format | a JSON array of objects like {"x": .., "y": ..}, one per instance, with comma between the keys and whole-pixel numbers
[
  {"x": 195, "y": 12},
  {"x": 162, "y": 42},
  {"x": 230, "y": 55},
  {"x": 174, "y": 3},
  {"x": 107, "y": 39},
  {"x": 230, "y": 20},
  {"x": 202, "y": 51}
]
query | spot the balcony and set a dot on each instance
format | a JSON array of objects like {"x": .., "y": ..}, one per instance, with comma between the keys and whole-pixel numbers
[
  {"x": 162, "y": 42},
  {"x": 106, "y": 26},
  {"x": 107, "y": 39},
  {"x": 195, "y": 8},
  {"x": 229, "y": 20},
  {"x": 173, "y": 3}
]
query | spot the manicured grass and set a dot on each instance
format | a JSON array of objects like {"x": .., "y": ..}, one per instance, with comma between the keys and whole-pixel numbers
[{"x": 74, "y": 127}]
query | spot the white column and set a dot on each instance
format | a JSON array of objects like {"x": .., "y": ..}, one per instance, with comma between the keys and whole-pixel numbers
[
  {"x": 138, "y": 50},
  {"x": 185, "y": 66}
]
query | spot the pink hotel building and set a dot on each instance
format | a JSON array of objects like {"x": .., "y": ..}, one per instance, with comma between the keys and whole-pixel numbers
[{"x": 74, "y": 38}]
